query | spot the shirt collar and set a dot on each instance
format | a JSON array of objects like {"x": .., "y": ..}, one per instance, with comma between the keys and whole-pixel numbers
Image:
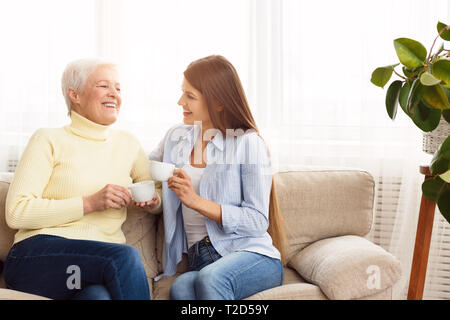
[
  {"x": 192, "y": 132},
  {"x": 218, "y": 141}
]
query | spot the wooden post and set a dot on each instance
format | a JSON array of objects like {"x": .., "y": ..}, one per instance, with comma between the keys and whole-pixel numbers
[{"x": 422, "y": 245}]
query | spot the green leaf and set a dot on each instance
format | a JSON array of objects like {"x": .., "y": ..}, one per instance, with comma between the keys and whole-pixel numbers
[
  {"x": 444, "y": 204},
  {"x": 447, "y": 92},
  {"x": 441, "y": 158},
  {"x": 411, "y": 53},
  {"x": 445, "y": 176},
  {"x": 445, "y": 146},
  {"x": 444, "y": 150},
  {"x": 427, "y": 79},
  {"x": 439, "y": 165},
  {"x": 446, "y": 115},
  {"x": 411, "y": 72},
  {"x": 415, "y": 95},
  {"x": 446, "y": 156},
  {"x": 403, "y": 96},
  {"x": 392, "y": 98},
  {"x": 446, "y": 34},
  {"x": 435, "y": 97},
  {"x": 427, "y": 119},
  {"x": 441, "y": 70},
  {"x": 432, "y": 188},
  {"x": 382, "y": 75}
]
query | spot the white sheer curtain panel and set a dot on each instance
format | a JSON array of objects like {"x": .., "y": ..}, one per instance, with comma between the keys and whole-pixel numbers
[
  {"x": 305, "y": 66},
  {"x": 38, "y": 39},
  {"x": 311, "y": 68},
  {"x": 159, "y": 40}
]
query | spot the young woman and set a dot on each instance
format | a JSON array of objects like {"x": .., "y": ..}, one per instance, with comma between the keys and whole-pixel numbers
[{"x": 220, "y": 205}]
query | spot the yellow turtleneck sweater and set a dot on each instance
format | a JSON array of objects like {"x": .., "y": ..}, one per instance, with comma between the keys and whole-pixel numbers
[{"x": 59, "y": 167}]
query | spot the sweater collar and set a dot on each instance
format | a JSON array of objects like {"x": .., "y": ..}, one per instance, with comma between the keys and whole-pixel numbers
[{"x": 88, "y": 129}]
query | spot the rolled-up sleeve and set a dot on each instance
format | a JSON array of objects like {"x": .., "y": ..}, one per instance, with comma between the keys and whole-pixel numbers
[{"x": 251, "y": 217}]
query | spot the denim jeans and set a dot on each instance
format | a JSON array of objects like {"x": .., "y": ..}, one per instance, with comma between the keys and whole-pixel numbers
[
  {"x": 237, "y": 275},
  {"x": 62, "y": 269}
]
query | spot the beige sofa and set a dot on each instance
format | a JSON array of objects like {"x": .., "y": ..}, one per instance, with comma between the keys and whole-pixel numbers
[{"x": 327, "y": 214}]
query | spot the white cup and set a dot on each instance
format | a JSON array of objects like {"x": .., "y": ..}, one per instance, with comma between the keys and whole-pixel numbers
[
  {"x": 142, "y": 191},
  {"x": 161, "y": 171}
]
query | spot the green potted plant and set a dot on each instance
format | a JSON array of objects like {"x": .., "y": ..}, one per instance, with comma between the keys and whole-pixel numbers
[{"x": 423, "y": 93}]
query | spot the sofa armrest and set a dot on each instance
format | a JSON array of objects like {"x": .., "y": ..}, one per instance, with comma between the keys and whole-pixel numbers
[{"x": 347, "y": 267}]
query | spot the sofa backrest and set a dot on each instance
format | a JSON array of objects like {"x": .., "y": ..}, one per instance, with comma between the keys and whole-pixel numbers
[{"x": 321, "y": 204}]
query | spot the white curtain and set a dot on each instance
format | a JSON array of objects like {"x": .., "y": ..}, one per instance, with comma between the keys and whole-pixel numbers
[
  {"x": 312, "y": 62},
  {"x": 305, "y": 66},
  {"x": 38, "y": 39}
]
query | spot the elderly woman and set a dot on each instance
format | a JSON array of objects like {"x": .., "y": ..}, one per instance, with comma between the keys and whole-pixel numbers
[{"x": 69, "y": 197}]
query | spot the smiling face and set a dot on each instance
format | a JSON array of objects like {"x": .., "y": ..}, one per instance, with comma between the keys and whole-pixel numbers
[
  {"x": 194, "y": 106},
  {"x": 99, "y": 100}
]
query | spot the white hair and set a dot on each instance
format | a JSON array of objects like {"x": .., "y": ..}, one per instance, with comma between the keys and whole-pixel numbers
[{"x": 76, "y": 74}]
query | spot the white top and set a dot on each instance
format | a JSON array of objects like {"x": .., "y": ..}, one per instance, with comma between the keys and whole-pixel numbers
[{"x": 194, "y": 222}]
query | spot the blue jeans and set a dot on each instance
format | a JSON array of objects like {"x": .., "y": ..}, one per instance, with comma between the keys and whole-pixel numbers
[
  {"x": 62, "y": 269},
  {"x": 237, "y": 275}
]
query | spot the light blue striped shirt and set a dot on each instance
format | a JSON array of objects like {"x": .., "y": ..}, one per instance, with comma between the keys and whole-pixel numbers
[{"x": 238, "y": 176}]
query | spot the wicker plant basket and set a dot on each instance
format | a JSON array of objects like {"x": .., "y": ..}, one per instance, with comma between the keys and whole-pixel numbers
[{"x": 432, "y": 140}]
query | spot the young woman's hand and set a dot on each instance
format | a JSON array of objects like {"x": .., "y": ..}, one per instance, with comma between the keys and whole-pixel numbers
[
  {"x": 181, "y": 184},
  {"x": 110, "y": 197},
  {"x": 149, "y": 205}
]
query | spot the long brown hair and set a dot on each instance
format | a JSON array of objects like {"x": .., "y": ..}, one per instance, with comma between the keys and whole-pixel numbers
[{"x": 217, "y": 80}]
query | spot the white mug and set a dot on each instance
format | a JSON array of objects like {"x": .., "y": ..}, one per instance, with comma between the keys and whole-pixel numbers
[
  {"x": 142, "y": 191},
  {"x": 161, "y": 171}
]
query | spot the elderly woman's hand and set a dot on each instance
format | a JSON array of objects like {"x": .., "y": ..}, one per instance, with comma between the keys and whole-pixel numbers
[
  {"x": 110, "y": 197},
  {"x": 148, "y": 205}
]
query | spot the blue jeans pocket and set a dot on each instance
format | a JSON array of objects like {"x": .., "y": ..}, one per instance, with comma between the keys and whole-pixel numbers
[
  {"x": 192, "y": 254},
  {"x": 213, "y": 254},
  {"x": 201, "y": 254}
]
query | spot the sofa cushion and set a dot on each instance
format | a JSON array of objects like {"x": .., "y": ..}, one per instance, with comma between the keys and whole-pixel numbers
[
  {"x": 160, "y": 241},
  {"x": 293, "y": 291},
  {"x": 294, "y": 287},
  {"x": 140, "y": 230},
  {"x": 324, "y": 203},
  {"x": 161, "y": 288},
  {"x": 347, "y": 267}
]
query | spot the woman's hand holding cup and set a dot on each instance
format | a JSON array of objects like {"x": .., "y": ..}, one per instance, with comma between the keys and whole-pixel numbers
[
  {"x": 148, "y": 205},
  {"x": 144, "y": 195},
  {"x": 181, "y": 184},
  {"x": 110, "y": 197}
]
